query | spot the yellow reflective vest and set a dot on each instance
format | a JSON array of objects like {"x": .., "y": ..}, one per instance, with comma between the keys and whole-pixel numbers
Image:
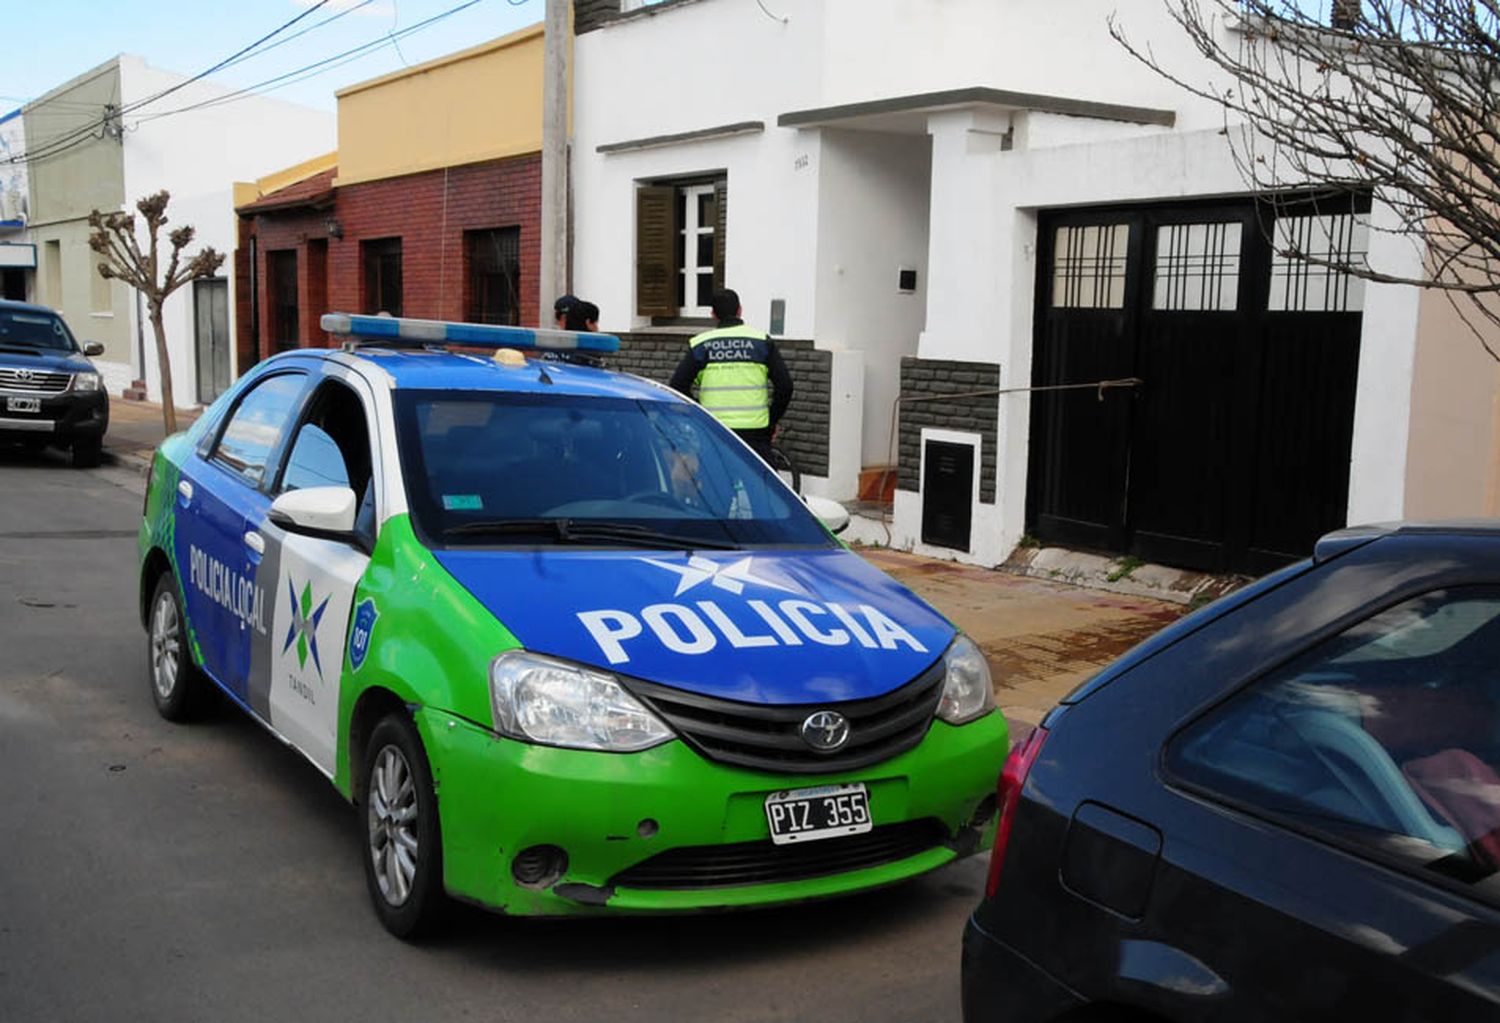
[{"x": 734, "y": 381}]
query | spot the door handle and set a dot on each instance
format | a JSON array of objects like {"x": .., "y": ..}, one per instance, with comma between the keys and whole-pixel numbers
[
  {"x": 255, "y": 542},
  {"x": 185, "y": 489}
]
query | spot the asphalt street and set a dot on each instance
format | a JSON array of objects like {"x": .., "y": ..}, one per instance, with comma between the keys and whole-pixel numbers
[{"x": 162, "y": 872}]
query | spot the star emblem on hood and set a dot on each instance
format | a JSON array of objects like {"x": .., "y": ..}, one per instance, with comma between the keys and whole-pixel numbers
[{"x": 731, "y": 577}]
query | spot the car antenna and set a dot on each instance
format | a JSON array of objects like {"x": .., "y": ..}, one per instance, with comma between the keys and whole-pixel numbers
[{"x": 541, "y": 373}]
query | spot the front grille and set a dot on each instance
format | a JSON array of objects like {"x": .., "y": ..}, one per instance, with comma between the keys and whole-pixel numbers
[
  {"x": 743, "y": 863},
  {"x": 33, "y": 380},
  {"x": 767, "y": 737}
]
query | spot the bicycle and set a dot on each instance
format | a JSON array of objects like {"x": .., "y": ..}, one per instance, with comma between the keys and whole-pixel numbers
[{"x": 787, "y": 469}]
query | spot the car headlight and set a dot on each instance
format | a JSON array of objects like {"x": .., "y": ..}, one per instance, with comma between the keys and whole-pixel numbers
[
  {"x": 966, "y": 689},
  {"x": 538, "y": 699},
  {"x": 86, "y": 382}
]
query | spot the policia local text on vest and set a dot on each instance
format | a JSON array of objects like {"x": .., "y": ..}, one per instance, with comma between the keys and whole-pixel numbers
[{"x": 739, "y": 375}]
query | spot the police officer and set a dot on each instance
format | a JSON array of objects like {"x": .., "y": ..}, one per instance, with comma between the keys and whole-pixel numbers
[{"x": 739, "y": 374}]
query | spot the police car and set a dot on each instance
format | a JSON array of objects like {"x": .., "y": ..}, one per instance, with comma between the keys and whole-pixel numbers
[{"x": 566, "y": 643}]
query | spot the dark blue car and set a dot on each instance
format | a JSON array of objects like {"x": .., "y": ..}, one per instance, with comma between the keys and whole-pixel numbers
[
  {"x": 50, "y": 394},
  {"x": 1286, "y": 806}
]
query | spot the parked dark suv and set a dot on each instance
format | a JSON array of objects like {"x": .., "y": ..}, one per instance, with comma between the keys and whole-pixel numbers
[
  {"x": 50, "y": 394},
  {"x": 1285, "y": 806}
]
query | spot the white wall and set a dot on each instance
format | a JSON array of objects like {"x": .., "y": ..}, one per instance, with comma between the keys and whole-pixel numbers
[
  {"x": 872, "y": 221},
  {"x": 197, "y": 155}
]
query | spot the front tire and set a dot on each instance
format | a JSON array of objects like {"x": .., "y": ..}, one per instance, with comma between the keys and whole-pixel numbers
[
  {"x": 176, "y": 684},
  {"x": 403, "y": 850},
  {"x": 87, "y": 454}
]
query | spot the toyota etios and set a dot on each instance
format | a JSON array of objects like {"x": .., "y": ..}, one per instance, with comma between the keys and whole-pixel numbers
[{"x": 564, "y": 640}]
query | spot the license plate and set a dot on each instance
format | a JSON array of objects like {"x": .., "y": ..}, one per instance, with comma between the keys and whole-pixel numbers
[
  {"x": 829, "y": 811},
  {"x": 23, "y": 404}
]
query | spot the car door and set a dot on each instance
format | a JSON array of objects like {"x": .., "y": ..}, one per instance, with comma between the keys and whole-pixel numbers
[
  {"x": 297, "y": 668},
  {"x": 1363, "y": 780},
  {"x": 221, "y": 488}
]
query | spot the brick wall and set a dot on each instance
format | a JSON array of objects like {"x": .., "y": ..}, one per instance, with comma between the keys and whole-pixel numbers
[
  {"x": 804, "y": 430},
  {"x": 929, "y": 377},
  {"x": 590, "y": 14},
  {"x": 429, "y": 212}
]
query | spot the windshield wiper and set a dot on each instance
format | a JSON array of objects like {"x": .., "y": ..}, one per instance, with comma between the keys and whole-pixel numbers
[{"x": 565, "y": 530}]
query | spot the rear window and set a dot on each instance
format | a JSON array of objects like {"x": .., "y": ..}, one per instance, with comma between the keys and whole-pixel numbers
[
  {"x": 474, "y": 460},
  {"x": 1385, "y": 737},
  {"x": 30, "y": 329}
]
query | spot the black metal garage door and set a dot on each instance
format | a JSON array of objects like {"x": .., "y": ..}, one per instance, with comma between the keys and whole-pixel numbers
[{"x": 1233, "y": 455}]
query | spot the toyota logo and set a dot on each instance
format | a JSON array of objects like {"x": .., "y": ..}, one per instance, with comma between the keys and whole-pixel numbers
[
  {"x": 825, "y": 731},
  {"x": 23, "y": 374}
]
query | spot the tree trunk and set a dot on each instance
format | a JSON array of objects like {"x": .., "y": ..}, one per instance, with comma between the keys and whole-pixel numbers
[{"x": 164, "y": 367}]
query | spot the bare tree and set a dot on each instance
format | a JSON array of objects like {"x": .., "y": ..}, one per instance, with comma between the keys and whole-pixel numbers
[
  {"x": 121, "y": 256},
  {"x": 1392, "y": 97}
]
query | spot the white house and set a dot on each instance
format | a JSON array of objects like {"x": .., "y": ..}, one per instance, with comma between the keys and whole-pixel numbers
[
  {"x": 944, "y": 197},
  {"x": 124, "y": 130}
]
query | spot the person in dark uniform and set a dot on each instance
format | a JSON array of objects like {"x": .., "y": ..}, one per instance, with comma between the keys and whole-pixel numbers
[{"x": 739, "y": 375}]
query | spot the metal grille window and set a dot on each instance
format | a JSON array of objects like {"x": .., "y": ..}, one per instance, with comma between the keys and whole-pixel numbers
[
  {"x": 494, "y": 261},
  {"x": 382, "y": 265},
  {"x": 1300, "y": 282},
  {"x": 1197, "y": 267},
  {"x": 282, "y": 272},
  {"x": 1088, "y": 267}
]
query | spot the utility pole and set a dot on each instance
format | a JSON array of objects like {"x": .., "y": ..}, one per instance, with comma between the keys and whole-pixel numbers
[{"x": 553, "y": 276}]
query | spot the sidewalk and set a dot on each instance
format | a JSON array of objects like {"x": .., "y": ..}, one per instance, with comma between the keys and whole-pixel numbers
[
  {"x": 135, "y": 429},
  {"x": 1042, "y": 636}
]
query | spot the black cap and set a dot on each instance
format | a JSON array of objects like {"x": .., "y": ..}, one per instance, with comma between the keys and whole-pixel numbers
[{"x": 564, "y": 305}]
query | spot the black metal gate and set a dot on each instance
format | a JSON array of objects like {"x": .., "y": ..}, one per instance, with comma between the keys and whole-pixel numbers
[{"x": 1233, "y": 455}]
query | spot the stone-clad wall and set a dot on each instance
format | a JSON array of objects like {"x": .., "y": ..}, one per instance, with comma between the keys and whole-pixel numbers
[
  {"x": 804, "y": 430},
  {"x": 969, "y": 415}
]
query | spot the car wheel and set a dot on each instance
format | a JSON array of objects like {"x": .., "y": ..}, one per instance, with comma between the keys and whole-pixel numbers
[
  {"x": 403, "y": 843},
  {"x": 176, "y": 685},
  {"x": 86, "y": 454}
]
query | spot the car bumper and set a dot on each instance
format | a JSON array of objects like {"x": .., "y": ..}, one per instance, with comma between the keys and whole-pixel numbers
[
  {"x": 61, "y": 419},
  {"x": 611, "y": 812},
  {"x": 999, "y": 985}
]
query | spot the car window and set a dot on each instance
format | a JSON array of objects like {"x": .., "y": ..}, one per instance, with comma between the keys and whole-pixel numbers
[
  {"x": 477, "y": 458},
  {"x": 1385, "y": 736},
  {"x": 315, "y": 461},
  {"x": 332, "y": 449},
  {"x": 256, "y": 424},
  {"x": 25, "y": 328}
]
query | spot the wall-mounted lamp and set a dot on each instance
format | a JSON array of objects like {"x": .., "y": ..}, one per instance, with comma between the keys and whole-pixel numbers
[{"x": 333, "y": 227}]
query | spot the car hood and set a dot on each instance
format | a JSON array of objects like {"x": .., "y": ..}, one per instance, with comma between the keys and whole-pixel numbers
[
  {"x": 43, "y": 361},
  {"x": 774, "y": 627}
]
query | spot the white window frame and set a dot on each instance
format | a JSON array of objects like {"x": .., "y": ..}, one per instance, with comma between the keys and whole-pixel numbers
[{"x": 691, "y": 231}]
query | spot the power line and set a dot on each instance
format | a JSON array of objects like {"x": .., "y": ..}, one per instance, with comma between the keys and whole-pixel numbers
[
  {"x": 87, "y": 130},
  {"x": 316, "y": 68}
]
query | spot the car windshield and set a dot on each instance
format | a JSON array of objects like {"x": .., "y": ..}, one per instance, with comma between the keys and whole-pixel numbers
[
  {"x": 490, "y": 468},
  {"x": 25, "y": 328}
]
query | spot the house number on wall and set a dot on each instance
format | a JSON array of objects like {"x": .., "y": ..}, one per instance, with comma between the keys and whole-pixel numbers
[{"x": 801, "y": 162}]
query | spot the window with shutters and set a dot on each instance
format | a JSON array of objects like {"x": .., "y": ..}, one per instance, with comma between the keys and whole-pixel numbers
[{"x": 680, "y": 240}]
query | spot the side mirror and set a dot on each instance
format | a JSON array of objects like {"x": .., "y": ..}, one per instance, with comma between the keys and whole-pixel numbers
[
  {"x": 324, "y": 512},
  {"x": 92, "y": 348},
  {"x": 834, "y": 515}
]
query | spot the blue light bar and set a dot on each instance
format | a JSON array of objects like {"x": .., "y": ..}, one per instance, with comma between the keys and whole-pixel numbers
[{"x": 479, "y": 335}]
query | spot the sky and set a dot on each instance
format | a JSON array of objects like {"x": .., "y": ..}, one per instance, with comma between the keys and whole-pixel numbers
[{"x": 48, "y": 42}]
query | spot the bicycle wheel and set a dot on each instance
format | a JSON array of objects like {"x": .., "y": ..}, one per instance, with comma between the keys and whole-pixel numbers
[{"x": 787, "y": 469}]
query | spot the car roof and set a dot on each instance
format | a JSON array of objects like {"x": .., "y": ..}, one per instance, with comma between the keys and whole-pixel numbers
[
  {"x": 10, "y": 305},
  {"x": 441, "y": 369}
]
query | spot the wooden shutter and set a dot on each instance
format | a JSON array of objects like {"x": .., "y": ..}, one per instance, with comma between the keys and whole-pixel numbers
[
  {"x": 721, "y": 230},
  {"x": 655, "y": 235}
]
